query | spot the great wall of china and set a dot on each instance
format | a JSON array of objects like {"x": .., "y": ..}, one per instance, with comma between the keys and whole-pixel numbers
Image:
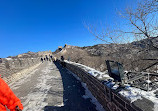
[{"x": 13, "y": 68}]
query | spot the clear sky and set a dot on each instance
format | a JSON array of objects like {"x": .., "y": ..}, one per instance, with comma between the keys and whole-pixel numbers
[{"x": 39, "y": 25}]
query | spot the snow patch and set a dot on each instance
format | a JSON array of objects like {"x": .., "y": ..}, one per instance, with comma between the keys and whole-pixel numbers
[
  {"x": 8, "y": 59},
  {"x": 130, "y": 94},
  {"x": 91, "y": 71},
  {"x": 134, "y": 94}
]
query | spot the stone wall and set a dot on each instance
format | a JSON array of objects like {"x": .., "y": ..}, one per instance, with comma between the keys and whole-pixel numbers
[
  {"x": 10, "y": 66},
  {"x": 108, "y": 98}
]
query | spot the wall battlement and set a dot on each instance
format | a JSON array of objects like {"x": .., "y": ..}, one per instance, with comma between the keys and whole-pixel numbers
[
  {"x": 10, "y": 66},
  {"x": 108, "y": 98}
]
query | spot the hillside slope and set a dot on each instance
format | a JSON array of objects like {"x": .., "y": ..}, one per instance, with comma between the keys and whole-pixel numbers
[{"x": 132, "y": 55}]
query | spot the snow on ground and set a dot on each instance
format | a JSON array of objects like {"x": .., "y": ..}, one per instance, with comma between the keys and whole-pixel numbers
[
  {"x": 131, "y": 93},
  {"x": 37, "y": 98},
  {"x": 91, "y": 71},
  {"x": 88, "y": 94}
]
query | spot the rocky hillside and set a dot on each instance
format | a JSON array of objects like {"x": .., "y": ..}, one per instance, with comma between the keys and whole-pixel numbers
[{"x": 134, "y": 56}]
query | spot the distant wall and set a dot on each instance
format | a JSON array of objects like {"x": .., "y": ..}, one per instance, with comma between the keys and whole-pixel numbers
[
  {"x": 10, "y": 66},
  {"x": 108, "y": 98}
]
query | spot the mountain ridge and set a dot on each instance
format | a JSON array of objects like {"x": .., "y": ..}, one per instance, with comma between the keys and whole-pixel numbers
[{"x": 130, "y": 54}]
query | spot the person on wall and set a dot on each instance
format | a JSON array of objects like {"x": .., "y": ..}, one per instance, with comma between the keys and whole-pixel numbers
[
  {"x": 0, "y": 60},
  {"x": 62, "y": 61},
  {"x": 8, "y": 98},
  {"x": 42, "y": 60}
]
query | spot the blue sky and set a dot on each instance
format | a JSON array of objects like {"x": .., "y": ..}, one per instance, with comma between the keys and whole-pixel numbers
[{"x": 39, "y": 25}]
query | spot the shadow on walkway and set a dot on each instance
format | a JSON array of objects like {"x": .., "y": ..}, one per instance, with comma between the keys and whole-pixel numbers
[{"x": 73, "y": 92}]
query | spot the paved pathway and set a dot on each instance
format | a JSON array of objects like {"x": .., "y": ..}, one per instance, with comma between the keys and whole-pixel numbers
[{"x": 51, "y": 88}]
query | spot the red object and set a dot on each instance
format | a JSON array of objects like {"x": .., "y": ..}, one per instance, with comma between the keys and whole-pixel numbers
[{"x": 8, "y": 98}]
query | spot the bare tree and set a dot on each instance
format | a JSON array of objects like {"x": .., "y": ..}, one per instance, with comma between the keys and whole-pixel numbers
[
  {"x": 143, "y": 20},
  {"x": 142, "y": 23}
]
